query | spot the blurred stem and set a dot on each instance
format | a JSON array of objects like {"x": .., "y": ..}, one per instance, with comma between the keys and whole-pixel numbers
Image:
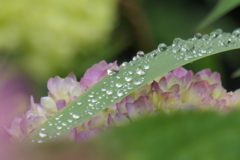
[{"x": 134, "y": 13}]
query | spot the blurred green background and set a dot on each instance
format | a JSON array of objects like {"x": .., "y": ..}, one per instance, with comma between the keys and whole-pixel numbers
[{"x": 42, "y": 39}]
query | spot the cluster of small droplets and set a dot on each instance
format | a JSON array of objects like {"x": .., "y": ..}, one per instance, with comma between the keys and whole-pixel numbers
[{"x": 200, "y": 44}]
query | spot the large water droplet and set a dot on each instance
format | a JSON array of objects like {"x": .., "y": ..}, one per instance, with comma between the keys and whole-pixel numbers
[
  {"x": 135, "y": 58},
  {"x": 198, "y": 35},
  {"x": 128, "y": 79},
  {"x": 138, "y": 82},
  {"x": 118, "y": 85},
  {"x": 162, "y": 47},
  {"x": 94, "y": 100},
  {"x": 59, "y": 127},
  {"x": 90, "y": 113},
  {"x": 109, "y": 92},
  {"x": 42, "y": 135},
  {"x": 120, "y": 94},
  {"x": 112, "y": 70},
  {"x": 103, "y": 89},
  {"x": 90, "y": 95},
  {"x": 140, "y": 72},
  {"x": 75, "y": 116},
  {"x": 146, "y": 67},
  {"x": 79, "y": 103},
  {"x": 176, "y": 49},
  {"x": 236, "y": 32},
  {"x": 216, "y": 33},
  {"x": 176, "y": 41},
  {"x": 140, "y": 54},
  {"x": 90, "y": 105},
  {"x": 124, "y": 64},
  {"x": 188, "y": 45}
]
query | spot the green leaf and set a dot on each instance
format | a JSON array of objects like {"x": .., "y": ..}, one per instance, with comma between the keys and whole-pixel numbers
[
  {"x": 183, "y": 136},
  {"x": 222, "y": 8},
  {"x": 138, "y": 72}
]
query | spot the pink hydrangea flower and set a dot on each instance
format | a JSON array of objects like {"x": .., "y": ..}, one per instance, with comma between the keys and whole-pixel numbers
[{"x": 176, "y": 90}]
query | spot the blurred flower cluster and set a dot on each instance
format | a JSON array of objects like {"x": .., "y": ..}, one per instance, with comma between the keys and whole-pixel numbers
[
  {"x": 14, "y": 97},
  {"x": 50, "y": 36},
  {"x": 176, "y": 90}
]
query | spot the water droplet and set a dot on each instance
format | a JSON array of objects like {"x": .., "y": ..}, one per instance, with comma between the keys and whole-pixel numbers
[
  {"x": 42, "y": 135},
  {"x": 57, "y": 118},
  {"x": 153, "y": 55},
  {"x": 162, "y": 47},
  {"x": 130, "y": 87},
  {"x": 135, "y": 58},
  {"x": 75, "y": 116},
  {"x": 128, "y": 79},
  {"x": 120, "y": 94},
  {"x": 124, "y": 64},
  {"x": 64, "y": 124},
  {"x": 40, "y": 141},
  {"x": 176, "y": 41},
  {"x": 79, "y": 103},
  {"x": 118, "y": 85},
  {"x": 236, "y": 32},
  {"x": 90, "y": 95},
  {"x": 50, "y": 124},
  {"x": 90, "y": 105},
  {"x": 58, "y": 133},
  {"x": 70, "y": 113},
  {"x": 146, "y": 67},
  {"x": 118, "y": 77},
  {"x": 216, "y": 33},
  {"x": 59, "y": 127},
  {"x": 176, "y": 49},
  {"x": 69, "y": 120},
  {"x": 130, "y": 72},
  {"x": 140, "y": 72},
  {"x": 94, "y": 100},
  {"x": 140, "y": 54},
  {"x": 43, "y": 129},
  {"x": 205, "y": 37},
  {"x": 112, "y": 70},
  {"x": 103, "y": 89},
  {"x": 109, "y": 92},
  {"x": 198, "y": 35},
  {"x": 90, "y": 113},
  {"x": 188, "y": 45},
  {"x": 138, "y": 82}
]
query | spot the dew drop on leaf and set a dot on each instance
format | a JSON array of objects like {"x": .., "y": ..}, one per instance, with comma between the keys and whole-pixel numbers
[
  {"x": 162, "y": 47},
  {"x": 128, "y": 79},
  {"x": 42, "y": 135},
  {"x": 75, "y": 116}
]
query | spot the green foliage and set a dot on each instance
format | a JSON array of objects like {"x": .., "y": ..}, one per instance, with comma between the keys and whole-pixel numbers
[
  {"x": 222, "y": 8},
  {"x": 183, "y": 136},
  {"x": 56, "y": 37},
  {"x": 131, "y": 76}
]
